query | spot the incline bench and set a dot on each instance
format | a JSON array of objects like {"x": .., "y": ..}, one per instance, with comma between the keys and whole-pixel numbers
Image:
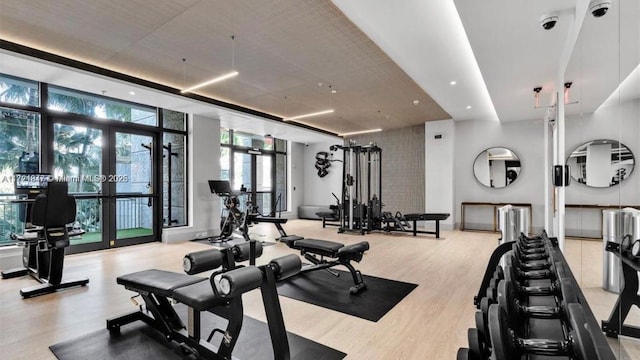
[
  {"x": 340, "y": 254},
  {"x": 223, "y": 290}
]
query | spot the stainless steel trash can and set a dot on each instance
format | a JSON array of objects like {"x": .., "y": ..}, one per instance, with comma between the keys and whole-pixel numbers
[
  {"x": 615, "y": 225},
  {"x": 520, "y": 221},
  {"x": 505, "y": 224}
]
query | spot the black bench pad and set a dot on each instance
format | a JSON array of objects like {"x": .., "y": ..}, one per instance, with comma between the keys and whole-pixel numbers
[
  {"x": 312, "y": 245},
  {"x": 158, "y": 281},
  {"x": 199, "y": 296},
  {"x": 434, "y": 216},
  {"x": 354, "y": 248},
  {"x": 332, "y": 215},
  {"x": 290, "y": 240},
  {"x": 271, "y": 220}
]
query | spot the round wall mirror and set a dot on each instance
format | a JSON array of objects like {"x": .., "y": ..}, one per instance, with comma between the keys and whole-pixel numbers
[
  {"x": 497, "y": 167},
  {"x": 601, "y": 163}
]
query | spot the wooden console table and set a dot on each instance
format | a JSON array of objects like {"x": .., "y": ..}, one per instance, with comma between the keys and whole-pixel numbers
[
  {"x": 495, "y": 206},
  {"x": 599, "y": 208}
]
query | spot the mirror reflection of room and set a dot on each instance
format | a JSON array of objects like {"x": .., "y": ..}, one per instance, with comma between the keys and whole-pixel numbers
[
  {"x": 601, "y": 163},
  {"x": 497, "y": 167}
]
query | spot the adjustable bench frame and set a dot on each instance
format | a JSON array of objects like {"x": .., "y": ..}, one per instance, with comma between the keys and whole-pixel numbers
[
  {"x": 316, "y": 255},
  {"x": 161, "y": 315},
  {"x": 165, "y": 319}
]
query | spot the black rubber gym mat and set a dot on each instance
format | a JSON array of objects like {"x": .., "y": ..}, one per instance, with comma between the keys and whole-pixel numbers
[
  {"x": 139, "y": 341},
  {"x": 324, "y": 289}
]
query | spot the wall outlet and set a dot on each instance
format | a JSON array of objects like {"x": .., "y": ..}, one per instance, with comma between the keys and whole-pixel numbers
[{"x": 201, "y": 235}]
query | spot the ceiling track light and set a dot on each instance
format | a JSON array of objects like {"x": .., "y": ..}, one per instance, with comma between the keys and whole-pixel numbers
[
  {"x": 209, "y": 82},
  {"x": 308, "y": 115},
  {"x": 360, "y": 132}
]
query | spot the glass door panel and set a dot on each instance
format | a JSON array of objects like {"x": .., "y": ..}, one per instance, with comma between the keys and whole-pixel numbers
[
  {"x": 77, "y": 153},
  {"x": 134, "y": 183},
  {"x": 263, "y": 173},
  {"x": 241, "y": 170},
  {"x": 78, "y": 159}
]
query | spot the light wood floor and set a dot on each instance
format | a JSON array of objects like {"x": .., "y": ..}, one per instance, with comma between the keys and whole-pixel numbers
[{"x": 430, "y": 323}]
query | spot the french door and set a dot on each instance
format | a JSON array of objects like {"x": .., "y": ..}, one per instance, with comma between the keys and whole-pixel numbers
[
  {"x": 254, "y": 170},
  {"x": 112, "y": 173}
]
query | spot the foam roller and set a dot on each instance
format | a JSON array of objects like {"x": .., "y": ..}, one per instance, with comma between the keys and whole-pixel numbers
[
  {"x": 286, "y": 266},
  {"x": 241, "y": 251},
  {"x": 237, "y": 282},
  {"x": 201, "y": 261}
]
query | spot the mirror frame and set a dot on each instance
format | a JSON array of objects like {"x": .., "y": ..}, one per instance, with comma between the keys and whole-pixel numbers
[
  {"x": 594, "y": 140},
  {"x": 496, "y": 147}
]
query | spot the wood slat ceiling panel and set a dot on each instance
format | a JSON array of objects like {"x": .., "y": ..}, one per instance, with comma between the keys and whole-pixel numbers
[{"x": 283, "y": 48}]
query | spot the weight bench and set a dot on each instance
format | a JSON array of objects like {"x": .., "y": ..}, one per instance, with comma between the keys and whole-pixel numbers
[
  {"x": 221, "y": 293},
  {"x": 426, "y": 217},
  {"x": 339, "y": 254}
]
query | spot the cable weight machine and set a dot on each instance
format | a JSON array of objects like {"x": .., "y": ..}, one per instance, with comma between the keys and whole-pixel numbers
[{"x": 361, "y": 187}]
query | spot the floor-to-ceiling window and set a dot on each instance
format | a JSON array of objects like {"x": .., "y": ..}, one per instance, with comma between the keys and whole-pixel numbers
[
  {"x": 124, "y": 162},
  {"x": 257, "y": 163}
]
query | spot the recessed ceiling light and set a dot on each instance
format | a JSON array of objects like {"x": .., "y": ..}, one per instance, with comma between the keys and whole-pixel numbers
[
  {"x": 416, "y": 102},
  {"x": 452, "y": 83},
  {"x": 131, "y": 93},
  {"x": 334, "y": 91},
  {"x": 468, "y": 107}
]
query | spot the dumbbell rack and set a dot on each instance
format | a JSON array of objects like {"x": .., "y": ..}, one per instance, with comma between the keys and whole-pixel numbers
[
  {"x": 628, "y": 296},
  {"x": 599, "y": 341}
]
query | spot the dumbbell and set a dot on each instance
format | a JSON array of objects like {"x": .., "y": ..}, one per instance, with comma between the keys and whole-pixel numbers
[
  {"x": 478, "y": 348},
  {"x": 552, "y": 289},
  {"x": 513, "y": 258},
  {"x": 519, "y": 274},
  {"x": 508, "y": 299},
  {"x": 524, "y": 255},
  {"x": 506, "y": 345},
  {"x": 492, "y": 289},
  {"x": 463, "y": 354},
  {"x": 518, "y": 313}
]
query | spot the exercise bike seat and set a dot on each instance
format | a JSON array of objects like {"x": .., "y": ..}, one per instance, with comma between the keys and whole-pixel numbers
[{"x": 159, "y": 282}]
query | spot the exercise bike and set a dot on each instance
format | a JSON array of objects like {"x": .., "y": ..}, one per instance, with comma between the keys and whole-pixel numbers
[
  {"x": 233, "y": 218},
  {"x": 44, "y": 245}
]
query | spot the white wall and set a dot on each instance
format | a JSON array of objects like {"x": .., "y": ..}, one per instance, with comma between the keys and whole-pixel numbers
[
  {"x": 525, "y": 138},
  {"x": 204, "y": 165},
  {"x": 295, "y": 178},
  {"x": 317, "y": 190},
  {"x": 439, "y": 169}
]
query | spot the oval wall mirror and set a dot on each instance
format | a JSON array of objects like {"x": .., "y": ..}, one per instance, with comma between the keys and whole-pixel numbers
[
  {"x": 601, "y": 163},
  {"x": 497, "y": 167}
]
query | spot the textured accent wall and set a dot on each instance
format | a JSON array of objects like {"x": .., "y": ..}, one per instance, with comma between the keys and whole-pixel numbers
[{"x": 402, "y": 167}]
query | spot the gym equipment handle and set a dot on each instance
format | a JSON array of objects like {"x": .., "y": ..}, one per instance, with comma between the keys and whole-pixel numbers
[{"x": 544, "y": 346}]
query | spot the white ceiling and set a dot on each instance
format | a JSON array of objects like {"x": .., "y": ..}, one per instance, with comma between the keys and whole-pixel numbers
[{"x": 378, "y": 51}]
